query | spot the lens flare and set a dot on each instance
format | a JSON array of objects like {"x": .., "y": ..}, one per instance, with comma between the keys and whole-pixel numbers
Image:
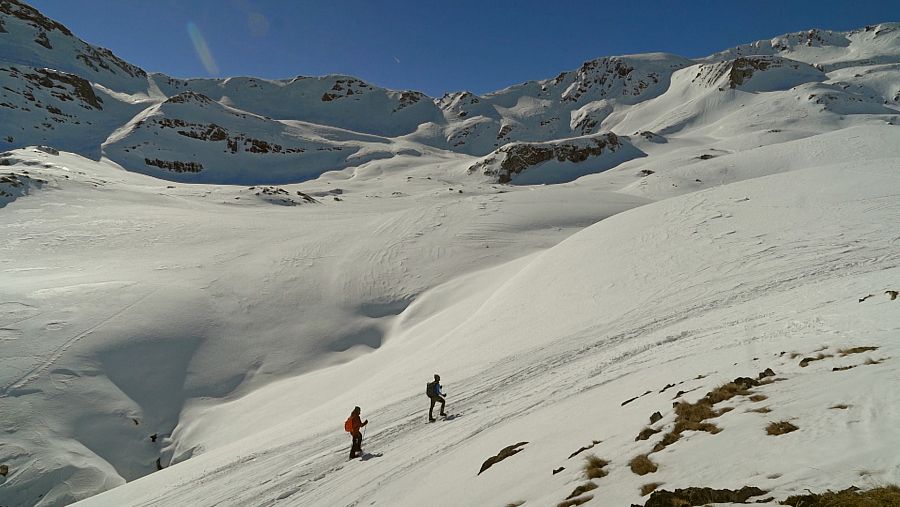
[{"x": 202, "y": 50}]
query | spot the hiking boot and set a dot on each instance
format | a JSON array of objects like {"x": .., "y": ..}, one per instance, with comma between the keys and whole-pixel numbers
[{"x": 431, "y": 419}]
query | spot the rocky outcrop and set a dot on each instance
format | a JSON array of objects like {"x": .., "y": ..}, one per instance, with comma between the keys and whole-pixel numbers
[
  {"x": 175, "y": 166},
  {"x": 739, "y": 72},
  {"x": 512, "y": 159}
]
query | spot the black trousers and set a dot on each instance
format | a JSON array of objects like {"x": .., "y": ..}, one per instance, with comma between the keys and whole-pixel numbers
[
  {"x": 435, "y": 399},
  {"x": 356, "y": 448}
]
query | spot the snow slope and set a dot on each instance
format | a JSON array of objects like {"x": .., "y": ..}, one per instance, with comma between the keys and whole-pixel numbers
[
  {"x": 214, "y": 272},
  {"x": 545, "y": 350}
]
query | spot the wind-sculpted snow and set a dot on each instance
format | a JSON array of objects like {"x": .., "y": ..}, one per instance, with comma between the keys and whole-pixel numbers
[{"x": 188, "y": 315}]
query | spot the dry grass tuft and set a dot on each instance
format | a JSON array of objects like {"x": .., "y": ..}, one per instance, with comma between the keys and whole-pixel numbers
[
  {"x": 641, "y": 465},
  {"x": 760, "y": 410},
  {"x": 818, "y": 357},
  {"x": 516, "y": 504},
  {"x": 646, "y": 489},
  {"x": 584, "y": 488},
  {"x": 593, "y": 469},
  {"x": 692, "y": 416},
  {"x": 840, "y": 406},
  {"x": 780, "y": 428},
  {"x": 887, "y": 496},
  {"x": 701, "y": 496},
  {"x": 855, "y": 350},
  {"x": 576, "y": 501},
  {"x": 646, "y": 433},
  {"x": 874, "y": 361},
  {"x": 758, "y": 397}
]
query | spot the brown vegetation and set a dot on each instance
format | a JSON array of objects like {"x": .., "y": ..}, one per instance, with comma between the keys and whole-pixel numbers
[
  {"x": 575, "y": 501},
  {"x": 701, "y": 496},
  {"x": 646, "y": 433},
  {"x": 780, "y": 428},
  {"x": 855, "y": 350},
  {"x": 851, "y": 497},
  {"x": 641, "y": 465},
  {"x": 818, "y": 357},
  {"x": 593, "y": 469},
  {"x": 692, "y": 416},
  {"x": 648, "y": 488},
  {"x": 584, "y": 488}
]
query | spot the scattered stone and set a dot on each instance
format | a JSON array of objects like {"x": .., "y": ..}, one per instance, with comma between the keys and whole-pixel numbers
[
  {"x": 558, "y": 470},
  {"x": 655, "y": 416},
  {"x": 767, "y": 373},
  {"x": 4, "y": 470}
]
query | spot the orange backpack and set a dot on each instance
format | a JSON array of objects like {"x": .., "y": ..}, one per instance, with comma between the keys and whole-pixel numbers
[{"x": 348, "y": 425}]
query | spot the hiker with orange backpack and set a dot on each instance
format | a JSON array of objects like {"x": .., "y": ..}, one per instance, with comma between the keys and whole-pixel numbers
[{"x": 352, "y": 426}]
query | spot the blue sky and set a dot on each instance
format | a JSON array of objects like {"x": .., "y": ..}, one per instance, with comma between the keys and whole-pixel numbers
[{"x": 428, "y": 45}]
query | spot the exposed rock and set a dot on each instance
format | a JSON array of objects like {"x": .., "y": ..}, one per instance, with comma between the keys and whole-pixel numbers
[
  {"x": 4, "y": 470},
  {"x": 502, "y": 455},
  {"x": 517, "y": 157},
  {"x": 188, "y": 97},
  {"x": 655, "y": 416},
  {"x": 176, "y": 166}
]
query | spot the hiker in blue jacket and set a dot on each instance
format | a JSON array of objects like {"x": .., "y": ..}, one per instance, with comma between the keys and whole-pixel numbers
[{"x": 433, "y": 390}]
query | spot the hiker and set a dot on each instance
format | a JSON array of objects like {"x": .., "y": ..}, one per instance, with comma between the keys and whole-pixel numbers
[
  {"x": 352, "y": 426},
  {"x": 433, "y": 390}
]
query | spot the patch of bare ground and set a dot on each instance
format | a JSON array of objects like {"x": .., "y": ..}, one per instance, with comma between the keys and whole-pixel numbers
[
  {"x": 760, "y": 410},
  {"x": 692, "y": 416},
  {"x": 818, "y": 357},
  {"x": 701, "y": 496},
  {"x": 886, "y": 496},
  {"x": 575, "y": 501},
  {"x": 515, "y": 504},
  {"x": 780, "y": 428},
  {"x": 642, "y": 465},
  {"x": 840, "y": 406},
  {"x": 757, "y": 397},
  {"x": 580, "y": 490},
  {"x": 843, "y": 368},
  {"x": 875, "y": 361},
  {"x": 650, "y": 487},
  {"x": 594, "y": 468},
  {"x": 855, "y": 350}
]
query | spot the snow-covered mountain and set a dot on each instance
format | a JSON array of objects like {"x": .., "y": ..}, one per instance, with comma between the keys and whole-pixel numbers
[{"x": 649, "y": 260}]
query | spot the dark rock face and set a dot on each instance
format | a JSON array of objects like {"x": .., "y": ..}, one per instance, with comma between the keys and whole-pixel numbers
[
  {"x": 742, "y": 69},
  {"x": 518, "y": 157},
  {"x": 189, "y": 97},
  {"x": 31, "y": 15},
  {"x": 176, "y": 166}
]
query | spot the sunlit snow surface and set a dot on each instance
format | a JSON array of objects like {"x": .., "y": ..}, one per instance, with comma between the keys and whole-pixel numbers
[{"x": 225, "y": 332}]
